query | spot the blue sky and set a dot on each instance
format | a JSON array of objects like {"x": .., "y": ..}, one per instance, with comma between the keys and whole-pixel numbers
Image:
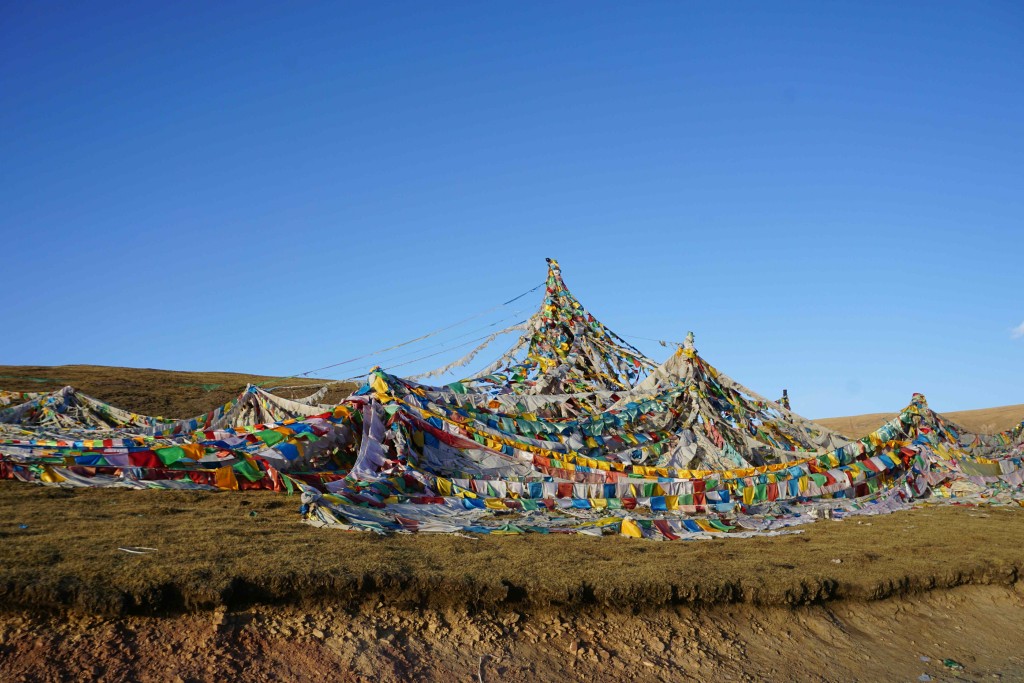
[{"x": 830, "y": 195}]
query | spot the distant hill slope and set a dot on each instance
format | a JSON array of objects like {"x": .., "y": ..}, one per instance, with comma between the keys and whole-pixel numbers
[
  {"x": 165, "y": 393},
  {"x": 170, "y": 393},
  {"x": 981, "y": 421}
]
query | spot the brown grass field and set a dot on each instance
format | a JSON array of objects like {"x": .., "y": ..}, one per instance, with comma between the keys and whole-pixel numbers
[
  {"x": 860, "y": 599},
  {"x": 236, "y": 548}
]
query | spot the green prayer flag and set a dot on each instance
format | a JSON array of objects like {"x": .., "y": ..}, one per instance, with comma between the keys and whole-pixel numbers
[
  {"x": 247, "y": 470},
  {"x": 270, "y": 437},
  {"x": 170, "y": 455}
]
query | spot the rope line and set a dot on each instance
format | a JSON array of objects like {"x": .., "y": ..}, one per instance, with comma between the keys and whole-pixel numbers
[
  {"x": 438, "y": 353},
  {"x": 417, "y": 339}
]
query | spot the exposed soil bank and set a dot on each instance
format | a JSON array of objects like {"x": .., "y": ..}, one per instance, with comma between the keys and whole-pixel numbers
[{"x": 978, "y": 626}]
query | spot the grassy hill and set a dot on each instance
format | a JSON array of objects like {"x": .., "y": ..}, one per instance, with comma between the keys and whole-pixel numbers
[
  {"x": 170, "y": 393},
  {"x": 980, "y": 421},
  {"x": 166, "y": 393}
]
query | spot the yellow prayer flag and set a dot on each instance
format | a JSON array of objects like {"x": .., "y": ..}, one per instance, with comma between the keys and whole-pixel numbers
[
  {"x": 194, "y": 451},
  {"x": 379, "y": 385},
  {"x": 443, "y": 486},
  {"x": 50, "y": 476},
  {"x": 224, "y": 478},
  {"x": 629, "y": 528}
]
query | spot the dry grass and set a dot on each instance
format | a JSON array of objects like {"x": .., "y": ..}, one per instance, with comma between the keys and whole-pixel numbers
[
  {"x": 164, "y": 393},
  {"x": 213, "y": 549}
]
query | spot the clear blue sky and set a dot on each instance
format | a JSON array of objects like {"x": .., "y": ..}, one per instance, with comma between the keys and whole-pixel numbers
[{"x": 830, "y": 195}]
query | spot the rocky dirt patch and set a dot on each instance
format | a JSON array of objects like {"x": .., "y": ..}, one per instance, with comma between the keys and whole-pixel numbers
[{"x": 896, "y": 639}]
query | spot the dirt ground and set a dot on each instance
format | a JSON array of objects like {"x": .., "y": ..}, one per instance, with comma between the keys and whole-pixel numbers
[{"x": 898, "y": 639}]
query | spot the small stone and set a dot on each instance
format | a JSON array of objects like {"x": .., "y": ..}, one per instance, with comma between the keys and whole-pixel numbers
[{"x": 318, "y": 634}]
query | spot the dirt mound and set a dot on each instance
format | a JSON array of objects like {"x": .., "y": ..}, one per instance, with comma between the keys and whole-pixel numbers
[{"x": 896, "y": 639}]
